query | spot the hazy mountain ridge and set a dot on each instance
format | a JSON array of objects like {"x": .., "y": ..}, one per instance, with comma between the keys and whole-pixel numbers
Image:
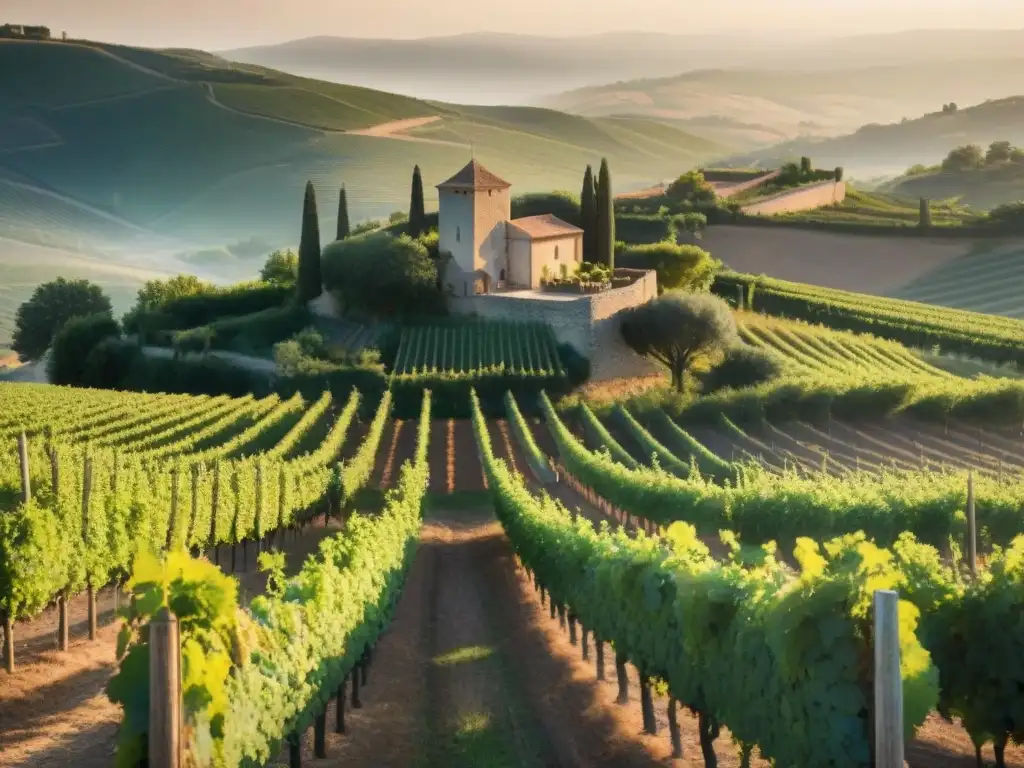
[
  {"x": 891, "y": 149},
  {"x": 494, "y": 68}
]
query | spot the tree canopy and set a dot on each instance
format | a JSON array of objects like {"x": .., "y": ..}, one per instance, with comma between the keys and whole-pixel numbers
[
  {"x": 965, "y": 158},
  {"x": 73, "y": 343},
  {"x": 49, "y": 308},
  {"x": 309, "y": 283},
  {"x": 380, "y": 275},
  {"x": 588, "y": 216},
  {"x": 417, "y": 210},
  {"x": 684, "y": 267},
  {"x": 605, "y": 230},
  {"x": 343, "y": 225},
  {"x": 678, "y": 329},
  {"x": 281, "y": 267},
  {"x": 691, "y": 187}
]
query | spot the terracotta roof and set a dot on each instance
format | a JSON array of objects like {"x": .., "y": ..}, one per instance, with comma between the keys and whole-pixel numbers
[
  {"x": 545, "y": 225},
  {"x": 475, "y": 176}
]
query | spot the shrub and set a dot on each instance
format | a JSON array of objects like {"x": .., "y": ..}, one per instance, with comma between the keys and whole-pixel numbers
[
  {"x": 691, "y": 187},
  {"x": 742, "y": 366},
  {"x": 381, "y": 275},
  {"x": 564, "y": 205},
  {"x": 281, "y": 267},
  {"x": 51, "y": 305},
  {"x": 643, "y": 229},
  {"x": 73, "y": 343},
  {"x": 248, "y": 334},
  {"x": 209, "y": 306},
  {"x": 683, "y": 267}
]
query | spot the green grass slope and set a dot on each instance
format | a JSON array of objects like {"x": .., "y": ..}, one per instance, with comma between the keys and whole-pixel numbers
[
  {"x": 179, "y": 141},
  {"x": 109, "y": 148},
  {"x": 878, "y": 208}
]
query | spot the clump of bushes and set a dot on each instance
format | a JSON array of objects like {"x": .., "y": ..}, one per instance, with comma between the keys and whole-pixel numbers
[
  {"x": 679, "y": 267},
  {"x": 742, "y": 366},
  {"x": 379, "y": 275},
  {"x": 73, "y": 344}
]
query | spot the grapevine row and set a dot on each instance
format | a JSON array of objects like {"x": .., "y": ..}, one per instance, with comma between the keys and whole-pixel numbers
[{"x": 304, "y": 637}]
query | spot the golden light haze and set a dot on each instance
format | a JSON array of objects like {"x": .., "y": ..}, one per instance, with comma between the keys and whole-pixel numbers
[{"x": 224, "y": 24}]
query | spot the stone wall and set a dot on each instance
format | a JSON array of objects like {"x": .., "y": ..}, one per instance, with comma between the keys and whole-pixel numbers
[
  {"x": 800, "y": 199},
  {"x": 590, "y": 323}
]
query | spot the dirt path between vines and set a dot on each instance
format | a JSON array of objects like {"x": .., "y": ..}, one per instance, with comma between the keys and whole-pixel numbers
[{"x": 473, "y": 672}]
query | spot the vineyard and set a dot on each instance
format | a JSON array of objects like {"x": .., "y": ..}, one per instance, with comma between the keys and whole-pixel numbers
[
  {"x": 165, "y": 489},
  {"x": 990, "y": 337},
  {"x": 980, "y": 282},
  {"x": 481, "y": 348}
]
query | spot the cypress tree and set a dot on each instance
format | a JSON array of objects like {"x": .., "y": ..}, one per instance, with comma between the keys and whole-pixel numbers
[
  {"x": 309, "y": 282},
  {"x": 417, "y": 213},
  {"x": 588, "y": 216},
  {"x": 343, "y": 227},
  {"x": 924, "y": 220},
  {"x": 605, "y": 218}
]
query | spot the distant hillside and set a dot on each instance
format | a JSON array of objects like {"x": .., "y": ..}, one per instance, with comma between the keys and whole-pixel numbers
[
  {"x": 133, "y": 156},
  {"x": 492, "y": 68},
  {"x": 785, "y": 104},
  {"x": 891, "y": 149},
  {"x": 970, "y": 174}
]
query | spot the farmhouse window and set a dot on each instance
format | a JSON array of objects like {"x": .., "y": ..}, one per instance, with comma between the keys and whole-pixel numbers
[
  {"x": 556, "y": 253},
  {"x": 458, "y": 234}
]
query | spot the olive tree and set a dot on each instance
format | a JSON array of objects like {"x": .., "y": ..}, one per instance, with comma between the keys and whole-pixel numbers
[
  {"x": 50, "y": 306},
  {"x": 678, "y": 329}
]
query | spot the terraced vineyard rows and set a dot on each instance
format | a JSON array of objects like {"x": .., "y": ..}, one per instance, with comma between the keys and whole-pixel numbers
[
  {"x": 987, "y": 282},
  {"x": 990, "y": 337},
  {"x": 466, "y": 351}
]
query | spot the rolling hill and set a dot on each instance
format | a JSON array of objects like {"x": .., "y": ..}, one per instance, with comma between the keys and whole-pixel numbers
[
  {"x": 133, "y": 156},
  {"x": 980, "y": 188},
  {"x": 764, "y": 105},
  {"x": 504, "y": 68},
  {"x": 890, "y": 149}
]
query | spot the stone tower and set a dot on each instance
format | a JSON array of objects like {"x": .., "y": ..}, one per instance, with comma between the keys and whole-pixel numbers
[{"x": 473, "y": 207}]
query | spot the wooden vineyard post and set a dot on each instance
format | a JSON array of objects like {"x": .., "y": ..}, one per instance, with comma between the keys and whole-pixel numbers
[
  {"x": 173, "y": 521},
  {"x": 585, "y": 643},
  {"x": 26, "y": 483},
  {"x": 572, "y": 628},
  {"x": 90, "y": 587},
  {"x": 647, "y": 706},
  {"x": 294, "y": 751},
  {"x": 54, "y": 472},
  {"x": 213, "y": 515},
  {"x": 673, "y": 730},
  {"x": 164, "y": 691},
  {"x": 356, "y": 703},
  {"x": 320, "y": 735},
  {"x": 622, "y": 678},
  {"x": 62, "y": 623},
  {"x": 339, "y": 711},
  {"x": 193, "y": 507},
  {"x": 8, "y": 643},
  {"x": 599, "y": 656},
  {"x": 888, "y": 715},
  {"x": 972, "y": 527}
]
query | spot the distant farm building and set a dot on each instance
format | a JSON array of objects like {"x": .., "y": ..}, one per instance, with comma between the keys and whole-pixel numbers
[{"x": 24, "y": 32}]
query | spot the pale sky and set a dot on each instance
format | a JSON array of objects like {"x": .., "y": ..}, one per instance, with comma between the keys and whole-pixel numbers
[{"x": 223, "y": 24}]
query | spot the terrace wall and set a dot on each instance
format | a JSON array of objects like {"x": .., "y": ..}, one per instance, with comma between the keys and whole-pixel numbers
[
  {"x": 804, "y": 198},
  {"x": 590, "y": 322}
]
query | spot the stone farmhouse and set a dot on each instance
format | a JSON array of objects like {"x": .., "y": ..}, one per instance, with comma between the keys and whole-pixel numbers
[
  {"x": 490, "y": 250},
  {"x": 497, "y": 264}
]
